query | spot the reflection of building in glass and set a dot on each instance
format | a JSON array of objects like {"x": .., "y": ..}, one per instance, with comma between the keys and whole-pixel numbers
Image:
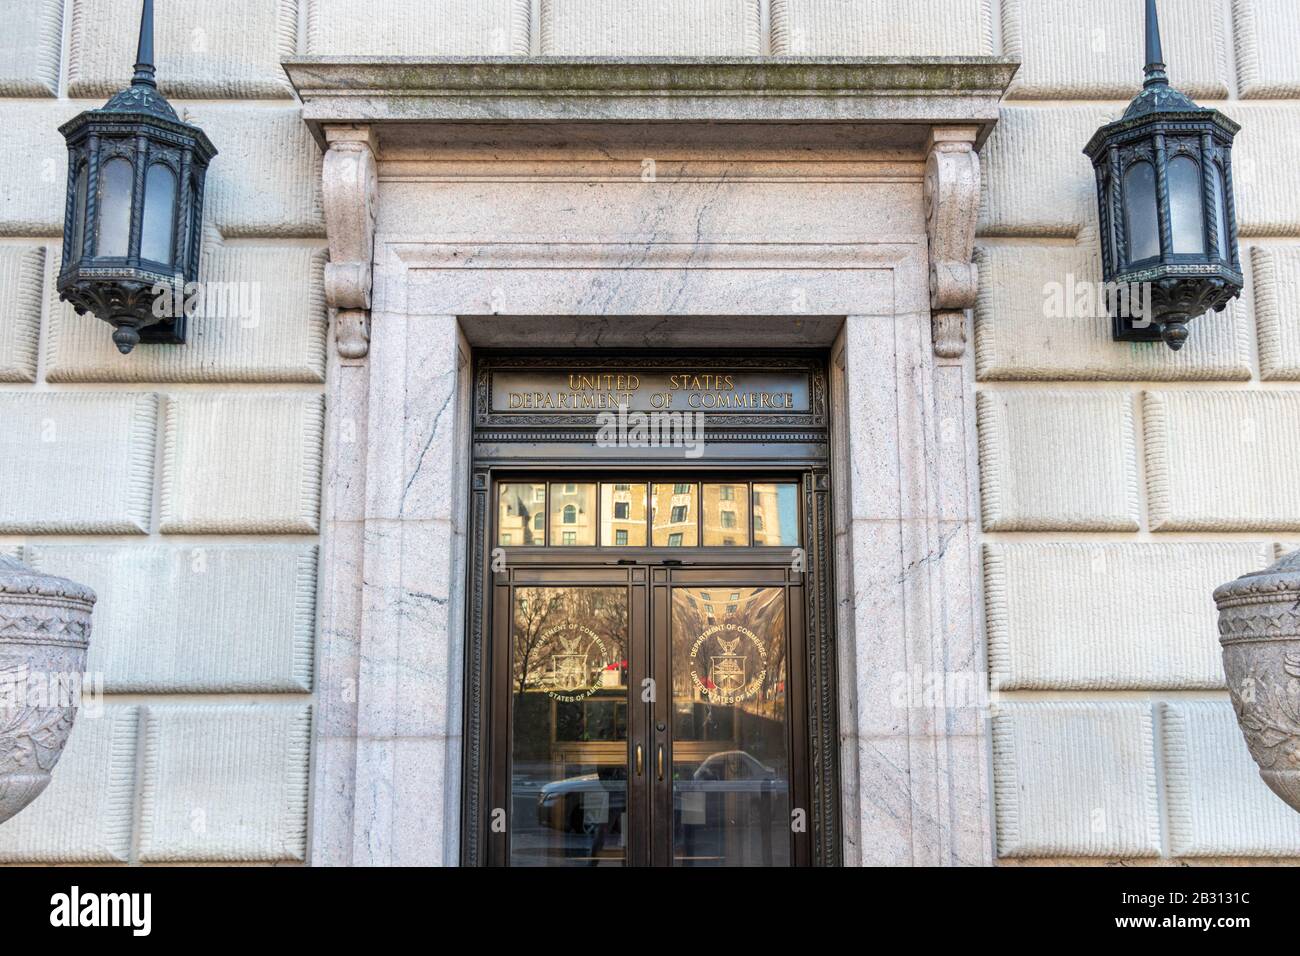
[
  {"x": 573, "y": 514},
  {"x": 521, "y": 515},
  {"x": 673, "y": 513},
  {"x": 725, "y": 510},
  {"x": 776, "y": 514},
  {"x": 623, "y": 515},
  {"x": 761, "y": 611}
]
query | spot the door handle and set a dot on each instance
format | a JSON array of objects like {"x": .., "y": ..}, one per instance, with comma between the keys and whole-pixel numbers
[
  {"x": 640, "y": 760},
  {"x": 661, "y": 761}
]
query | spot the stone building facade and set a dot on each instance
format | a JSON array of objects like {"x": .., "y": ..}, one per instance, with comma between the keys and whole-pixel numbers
[{"x": 1025, "y": 520}]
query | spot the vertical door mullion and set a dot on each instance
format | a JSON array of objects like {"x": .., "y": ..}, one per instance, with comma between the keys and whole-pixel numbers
[
  {"x": 502, "y": 623},
  {"x": 638, "y": 792},
  {"x": 661, "y": 643},
  {"x": 797, "y": 723}
]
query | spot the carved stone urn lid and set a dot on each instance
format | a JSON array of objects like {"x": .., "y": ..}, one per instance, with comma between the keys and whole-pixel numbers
[
  {"x": 21, "y": 583},
  {"x": 1280, "y": 582}
]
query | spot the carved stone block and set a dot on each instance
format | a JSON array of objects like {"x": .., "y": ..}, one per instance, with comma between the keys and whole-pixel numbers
[
  {"x": 350, "y": 187},
  {"x": 1259, "y": 628},
  {"x": 44, "y": 635},
  {"x": 952, "y": 198}
]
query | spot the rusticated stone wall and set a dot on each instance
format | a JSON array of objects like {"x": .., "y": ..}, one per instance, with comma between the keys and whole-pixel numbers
[
  {"x": 183, "y": 483},
  {"x": 1122, "y": 482}
]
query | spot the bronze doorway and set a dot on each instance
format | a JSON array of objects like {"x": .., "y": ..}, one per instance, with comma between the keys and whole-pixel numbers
[
  {"x": 651, "y": 705},
  {"x": 649, "y": 675}
]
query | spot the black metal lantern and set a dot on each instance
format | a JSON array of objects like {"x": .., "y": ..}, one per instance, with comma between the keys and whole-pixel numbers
[
  {"x": 133, "y": 228},
  {"x": 1168, "y": 222}
]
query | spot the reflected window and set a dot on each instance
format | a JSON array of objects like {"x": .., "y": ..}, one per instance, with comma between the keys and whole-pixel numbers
[
  {"x": 674, "y": 515},
  {"x": 776, "y": 514},
  {"x": 623, "y": 515},
  {"x": 726, "y": 515},
  {"x": 521, "y": 514},
  {"x": 573, "y": 514}
]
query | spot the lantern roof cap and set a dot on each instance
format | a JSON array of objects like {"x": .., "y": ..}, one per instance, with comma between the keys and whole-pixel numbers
[
  {"x": 141, "y": 102},
  {"x": 1158, "y": 102},
  {"x": 1280, "y": 580},
  {"x": 140, "y": 98},
  {"x": 1161, "y": 98},
  {"x": 1157, "y": 95},
  {"x": 18, "y": 580}
]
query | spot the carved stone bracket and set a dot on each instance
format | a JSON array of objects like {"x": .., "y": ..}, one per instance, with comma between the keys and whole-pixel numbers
[
  {"x": 952, "y": 199},
  {"x": 350, "y": 187}
]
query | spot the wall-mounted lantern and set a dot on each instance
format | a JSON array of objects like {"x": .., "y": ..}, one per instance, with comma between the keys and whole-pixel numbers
[
  {"x": 134, "y": 217},
  {"x": 1164, "y": 187}
]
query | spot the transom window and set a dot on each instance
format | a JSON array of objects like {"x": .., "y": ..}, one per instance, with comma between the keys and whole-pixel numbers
[{"x": 710, "y": 514}]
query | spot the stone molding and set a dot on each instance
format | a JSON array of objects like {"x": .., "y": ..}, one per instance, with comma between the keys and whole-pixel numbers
[{"x": 938, "y": 90}]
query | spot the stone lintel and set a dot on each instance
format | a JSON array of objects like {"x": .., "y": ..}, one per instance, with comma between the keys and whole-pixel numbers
[{"x": 888, "y": 91}]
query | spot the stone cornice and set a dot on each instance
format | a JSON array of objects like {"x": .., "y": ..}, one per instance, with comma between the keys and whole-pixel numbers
[{"x": 927, "y": 91}]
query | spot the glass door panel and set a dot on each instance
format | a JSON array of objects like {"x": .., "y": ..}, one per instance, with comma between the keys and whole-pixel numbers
[
  {"x": 569, "y": 746},
  {"x": 730, "y": 739}
]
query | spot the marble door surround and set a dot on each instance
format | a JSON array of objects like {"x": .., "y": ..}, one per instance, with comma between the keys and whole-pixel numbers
[{"x": 589, "y": 203}]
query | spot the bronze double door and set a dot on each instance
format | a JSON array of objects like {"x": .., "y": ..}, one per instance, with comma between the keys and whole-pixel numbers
[{"x": 649, "y": 709}]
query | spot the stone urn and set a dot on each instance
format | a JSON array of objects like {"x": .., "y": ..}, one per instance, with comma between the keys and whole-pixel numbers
[
  {"x": 1259, "y": 628},
  {"x": 44, "y": 634}
]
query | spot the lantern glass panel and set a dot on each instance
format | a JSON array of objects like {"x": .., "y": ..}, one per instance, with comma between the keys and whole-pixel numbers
[
  {"x": 1220, "y": 212},
  {"x": 1187, "y": 220},
  {"x": 115, "y": 209},
  {"x": 79, "y": 214},
  {"x": 159, "y": 214},
  {"x": 1141, "y": 212}
]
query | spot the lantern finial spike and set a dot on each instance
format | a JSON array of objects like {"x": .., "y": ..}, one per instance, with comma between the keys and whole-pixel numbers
[
  {"x": 144, "y": 70},
  {"x": 1155, "y": 67}
]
